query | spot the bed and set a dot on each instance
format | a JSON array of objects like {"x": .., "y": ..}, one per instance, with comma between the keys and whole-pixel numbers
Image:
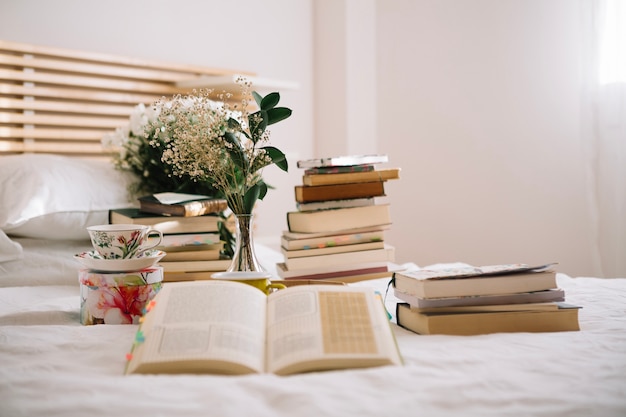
[{"x": 51, "y": 365}]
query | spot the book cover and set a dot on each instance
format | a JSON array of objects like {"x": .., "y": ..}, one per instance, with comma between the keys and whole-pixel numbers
[
  {"x": 553, "y": 295},
  {"x": 184, "y": 241},
  {"x": 339, "y": 169},
  {"x": 195, "y": 266},
  {"x": 338, "y": 219},
  {"x": 233, "y": 328},
  {"x": 564, "y": 318},
  {"x": 304, "y": 243},
  {"x": 166, "y": 224},
  {"x": 329, "y": 233},
  {"x": 385, "y": 254},
  {"x": 329, "y": 250},
  {"x": 474, "y": 285},
  {"x": 185, "y": 205},
  {"x": 322, "y": 272},
  {"x": 192, "y": 255},
  {"x": 177, "y": 276},
  {"x": 343, "y": 276},
  {"x": 347, "y": 160},
  {"x": 309, "y": 193},
  {"x": 332, "y": 204},
  {"x": 351, "y": 177}
]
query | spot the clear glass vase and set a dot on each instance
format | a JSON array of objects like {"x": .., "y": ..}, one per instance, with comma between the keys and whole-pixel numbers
[{"x": 244, "y": 258}]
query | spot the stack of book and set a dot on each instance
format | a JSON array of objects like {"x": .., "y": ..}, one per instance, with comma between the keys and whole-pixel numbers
[
  {"x": 481, "y": 300},
  {"x": 190, "y": 226},
  {"x": 337, "y": 232}
]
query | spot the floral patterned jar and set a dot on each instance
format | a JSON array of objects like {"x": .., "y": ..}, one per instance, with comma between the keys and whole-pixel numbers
[{"x": 117, "y": 297}]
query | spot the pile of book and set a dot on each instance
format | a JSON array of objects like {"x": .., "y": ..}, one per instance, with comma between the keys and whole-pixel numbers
[
  {"x": 190, "y": 226},
  {"x": 337, "y": 232},
  {"x": 481, "y": 300}
]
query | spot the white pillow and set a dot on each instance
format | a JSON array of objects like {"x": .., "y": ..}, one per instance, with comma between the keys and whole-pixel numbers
[{"x": 57, "y": 197}]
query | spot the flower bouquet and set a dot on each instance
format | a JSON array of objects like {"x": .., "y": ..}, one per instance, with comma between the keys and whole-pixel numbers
[{"x": 191, "y": 143}]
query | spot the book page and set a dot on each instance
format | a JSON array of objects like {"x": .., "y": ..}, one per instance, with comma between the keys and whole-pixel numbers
[
  {"x": 175, "y": 198},
  {"x": 195, "y": 321},
  {"x": 318, "y": 327}
]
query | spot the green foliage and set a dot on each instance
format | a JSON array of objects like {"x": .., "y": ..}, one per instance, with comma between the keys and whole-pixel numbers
[{"x": 194, "y": 145}]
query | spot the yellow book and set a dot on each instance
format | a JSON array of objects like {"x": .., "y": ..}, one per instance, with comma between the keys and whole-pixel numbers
[
  {"x": 352, "y": 177},
  {"x": 233, "y": 328},
  {"x": 563, "y": 317}
]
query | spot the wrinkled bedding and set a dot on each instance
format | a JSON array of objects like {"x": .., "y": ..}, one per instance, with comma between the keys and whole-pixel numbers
[{"x": 51, "y": 365}]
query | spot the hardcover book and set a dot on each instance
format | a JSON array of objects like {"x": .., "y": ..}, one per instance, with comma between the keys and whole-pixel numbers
[
  {"x": 303, "y": 241},
  {"x": 351, "y": 177},
  {"x": 563, "y": 317},
  {"x": 329, "y": 250},
  {"x": 328, "y": 272},
  {"x": 192, "y": 254},
  {"x": 491, "y": 280},
  {"x": 338, "y": 219},
  {"x": 233, "y": 328},
  {"x": 545, "y": 296},
  {"x": 339, "y": 169},
  {"x": 166, "y": 224},
  {"x": 332, "y": 204},
  {"x": 185, "y": 205},
  {"x": 186, "y": 241},
  {"x": 344, "y": 273},
  {"x": 309, "y": 193},
  {"x": 385, "y": 254},
  {"x": 347, "y": 160},
  {"x": 172, "y": 276},
  {"x": 195, "y": 266}
]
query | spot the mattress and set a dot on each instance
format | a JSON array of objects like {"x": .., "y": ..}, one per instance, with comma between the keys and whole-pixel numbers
[{"x": 54, "y": 366}]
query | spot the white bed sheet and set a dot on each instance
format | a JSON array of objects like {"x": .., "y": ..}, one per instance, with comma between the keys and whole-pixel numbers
[{"x": 51, "y": 365}]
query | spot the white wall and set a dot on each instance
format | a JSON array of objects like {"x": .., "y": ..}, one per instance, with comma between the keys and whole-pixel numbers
[
  {"x": 271, "y": 37},
  {"x": 477, "y": 101}
]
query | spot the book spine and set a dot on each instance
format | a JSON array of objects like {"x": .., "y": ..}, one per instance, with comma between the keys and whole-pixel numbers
[
  {"x": 339, "y": 170},
  {"x": 309, "y": 193}
]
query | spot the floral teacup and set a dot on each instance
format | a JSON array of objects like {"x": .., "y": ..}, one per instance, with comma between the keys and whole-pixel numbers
[{"x": 123, "y": 241}]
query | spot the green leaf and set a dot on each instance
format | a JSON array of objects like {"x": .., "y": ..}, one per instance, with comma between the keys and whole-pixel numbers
[
  {"x": 237, "y": 153},
  {"x": 249, "y": 199},
  {"x": 263, "y": 187},
  {"x": 258, "y": 98},
  {"x": 278, "y": 157},
  {"x": 277, "y": 114},
  {"x": 258, "y": 123},
  {"x": 234, "y": 124},
  {"x": 269, "y": 101}
]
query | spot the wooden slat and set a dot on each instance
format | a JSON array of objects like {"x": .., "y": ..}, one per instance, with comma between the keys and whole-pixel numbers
[
  {"x": 50, "y": 147},
  {"x": 89, "y": 82},
  {"x": 63, "y": 101},
  {"x": 24, "y": 48},
  {"x": 54, "y": 134},
  {"x": 48, "y": 120},
  {"x": 61, "y": 107},
  {"x": 81, "y": 68},
  {"x": 117, "y": 97}
]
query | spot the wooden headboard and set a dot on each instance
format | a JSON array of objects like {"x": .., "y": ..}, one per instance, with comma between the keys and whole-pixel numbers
[{"x": 62, "y": 101}]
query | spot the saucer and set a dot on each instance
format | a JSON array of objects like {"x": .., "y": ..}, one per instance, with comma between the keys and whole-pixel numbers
[{"x": 93, "y": 260}]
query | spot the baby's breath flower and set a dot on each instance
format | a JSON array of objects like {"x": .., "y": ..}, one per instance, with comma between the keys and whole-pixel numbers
[{"x": 214, "y": 142}]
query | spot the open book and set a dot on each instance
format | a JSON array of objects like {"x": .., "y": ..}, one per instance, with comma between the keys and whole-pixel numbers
[{"x": 233, "y": 328}]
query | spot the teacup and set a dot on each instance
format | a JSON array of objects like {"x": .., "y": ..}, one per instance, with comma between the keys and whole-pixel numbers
[
  {"x": 123, "y": 241},
  {"x": 260, "y": 280}
]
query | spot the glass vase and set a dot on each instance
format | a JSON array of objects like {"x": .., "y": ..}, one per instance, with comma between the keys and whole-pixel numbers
[{"x": 244, "y": 258}]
